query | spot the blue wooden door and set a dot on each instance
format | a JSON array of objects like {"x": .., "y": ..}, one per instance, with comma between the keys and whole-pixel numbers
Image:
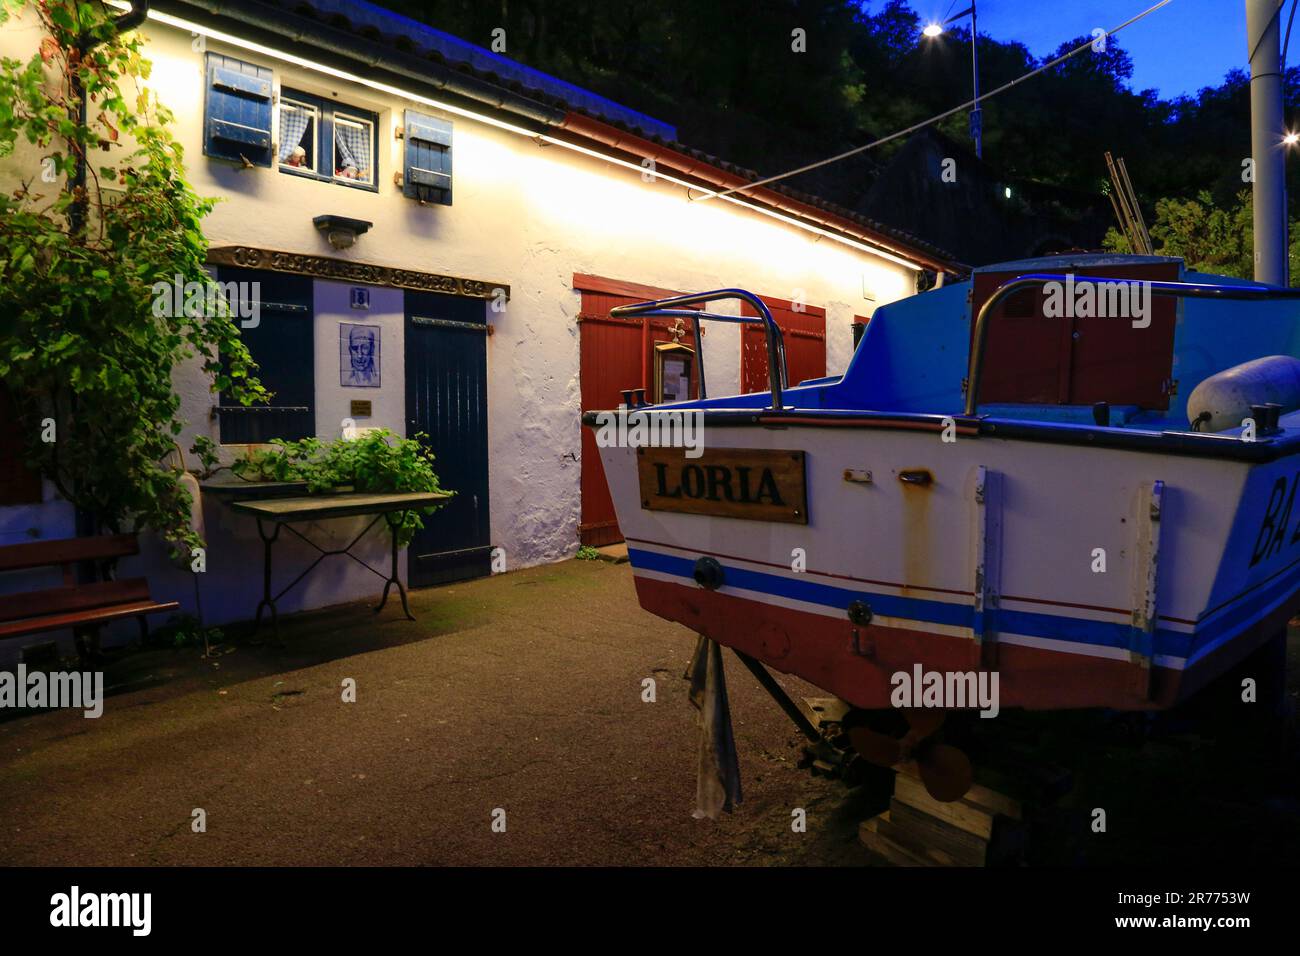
[
  {"x": 446, "y": 398},
  {"x": 281, "y": 343}
]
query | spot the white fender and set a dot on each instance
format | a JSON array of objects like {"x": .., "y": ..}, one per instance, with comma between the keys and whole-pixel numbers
[{"x": 1225, "y": 398}]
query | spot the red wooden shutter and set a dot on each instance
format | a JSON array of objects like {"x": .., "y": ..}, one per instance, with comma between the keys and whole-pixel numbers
[
  {"x": 616, "y": 354},
  {"x": 805, "y": 344}
]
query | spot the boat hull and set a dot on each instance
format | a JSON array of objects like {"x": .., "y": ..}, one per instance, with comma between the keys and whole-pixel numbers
[{"x": 1085, "y": 577}]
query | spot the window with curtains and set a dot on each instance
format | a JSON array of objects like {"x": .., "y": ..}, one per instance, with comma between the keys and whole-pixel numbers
[
  {"x": 323, "y": 140},
  {"x": 299, "y": 127}
]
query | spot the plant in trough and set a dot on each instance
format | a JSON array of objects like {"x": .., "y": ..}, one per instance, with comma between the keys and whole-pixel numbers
[{"x": 376, "y": 461}]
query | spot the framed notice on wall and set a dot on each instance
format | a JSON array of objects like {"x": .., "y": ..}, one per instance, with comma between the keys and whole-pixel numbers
[
  {"x": 673, "y": 370},
  {"x": 359, "y": 364}
]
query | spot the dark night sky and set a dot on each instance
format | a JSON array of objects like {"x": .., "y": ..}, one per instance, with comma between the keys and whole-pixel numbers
[{"x": 1178, "y": 49}]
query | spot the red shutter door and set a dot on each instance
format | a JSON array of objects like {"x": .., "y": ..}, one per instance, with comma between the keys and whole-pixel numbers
[
  {"x": 616, "y": 354},
  {"x": 1031, "y": 358},
  {"x": 805, "y": 344}
]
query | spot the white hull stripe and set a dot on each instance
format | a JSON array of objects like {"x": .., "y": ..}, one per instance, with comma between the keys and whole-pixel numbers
[{"x": 1081, "y": 636}]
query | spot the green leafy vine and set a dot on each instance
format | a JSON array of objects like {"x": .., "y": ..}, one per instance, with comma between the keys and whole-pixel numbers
[{"x": 85, "y": 350}]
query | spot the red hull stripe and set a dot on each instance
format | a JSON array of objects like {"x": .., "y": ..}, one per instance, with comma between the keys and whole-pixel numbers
[
  {"x": 1174, "y": 645},
  {"x": 825, "y": 652},
  {"x": 857, "y": 665},
  {"x": 1170, "y": 647}
]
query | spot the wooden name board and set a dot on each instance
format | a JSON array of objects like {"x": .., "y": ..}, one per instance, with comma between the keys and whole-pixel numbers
[{"x": 754, "y": 483}]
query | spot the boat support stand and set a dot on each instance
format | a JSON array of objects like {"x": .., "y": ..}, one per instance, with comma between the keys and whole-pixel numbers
[{"x": 782, "y": 699}]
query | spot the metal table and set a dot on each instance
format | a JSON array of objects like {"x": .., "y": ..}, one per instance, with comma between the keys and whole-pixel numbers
[{"x": 284, "y": 512}]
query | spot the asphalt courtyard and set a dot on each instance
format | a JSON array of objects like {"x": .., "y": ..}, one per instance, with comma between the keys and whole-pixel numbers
[{"x": 523, "y": 693}]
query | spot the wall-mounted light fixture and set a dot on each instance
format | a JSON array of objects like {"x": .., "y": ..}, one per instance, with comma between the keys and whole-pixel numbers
[{"x": 341, "y": 231}]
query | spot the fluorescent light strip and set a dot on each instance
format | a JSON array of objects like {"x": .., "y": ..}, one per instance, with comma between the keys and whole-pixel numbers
[
  {"x": 871, "y": 250},
  {"x": 283, "y": 56}
]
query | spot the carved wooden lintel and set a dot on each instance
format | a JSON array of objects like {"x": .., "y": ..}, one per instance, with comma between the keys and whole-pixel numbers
[{"x": 345, "y": 270}]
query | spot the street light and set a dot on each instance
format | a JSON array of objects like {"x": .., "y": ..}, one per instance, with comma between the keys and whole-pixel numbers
[{"x": 933, "y": 30}]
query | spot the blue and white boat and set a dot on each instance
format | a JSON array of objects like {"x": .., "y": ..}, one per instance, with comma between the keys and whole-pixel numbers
[{"x": 1095, "y": 498}]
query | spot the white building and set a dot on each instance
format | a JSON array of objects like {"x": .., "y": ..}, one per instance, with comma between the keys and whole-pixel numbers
[{"x": 506, "y": 212}]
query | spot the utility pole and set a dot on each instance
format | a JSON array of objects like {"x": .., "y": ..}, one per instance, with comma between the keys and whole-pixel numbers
[
  {"x": 976, "y": 114},
  {"x": 1266, "y": 132}
]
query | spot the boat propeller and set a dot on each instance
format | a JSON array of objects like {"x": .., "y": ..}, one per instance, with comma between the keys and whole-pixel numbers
[{"x": 945, "y": 770}]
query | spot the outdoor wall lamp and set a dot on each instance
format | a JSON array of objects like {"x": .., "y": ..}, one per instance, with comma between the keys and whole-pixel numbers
[{"x": 341, "y": 231}]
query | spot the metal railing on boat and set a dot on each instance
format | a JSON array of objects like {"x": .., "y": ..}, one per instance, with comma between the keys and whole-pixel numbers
[
  {"x": 1177, "y": 290},
  {"x": 673, "y": 308}
]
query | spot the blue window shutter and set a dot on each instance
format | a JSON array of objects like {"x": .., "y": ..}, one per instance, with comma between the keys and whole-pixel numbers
[
  {"x": 237, "y": 111},
  {"x": 426, "y": 173}
]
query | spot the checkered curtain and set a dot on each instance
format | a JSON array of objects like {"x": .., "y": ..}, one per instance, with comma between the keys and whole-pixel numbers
[
  {"x": 354, "y": 148},
  {"x": 293, "y": 123}
]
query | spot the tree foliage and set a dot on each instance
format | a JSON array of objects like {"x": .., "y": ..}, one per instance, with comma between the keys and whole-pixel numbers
[
  {"x": 725, "y": 74},
  {"x": 1209, "y": 237},
  {"x": 86, "y": 355}
]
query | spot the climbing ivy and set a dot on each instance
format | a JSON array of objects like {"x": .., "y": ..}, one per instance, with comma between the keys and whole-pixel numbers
[{"x": 85, "y": 349}]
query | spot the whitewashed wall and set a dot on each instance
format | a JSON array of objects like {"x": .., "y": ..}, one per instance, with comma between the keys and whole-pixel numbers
[{"x": 526, "y": 215}]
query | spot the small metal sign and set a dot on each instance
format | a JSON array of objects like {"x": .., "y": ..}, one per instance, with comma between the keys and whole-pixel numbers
[
  {"x": 361, "y": 409},
  {"x": 360, "y": 298},
  {"x": 758, "y": 484}
]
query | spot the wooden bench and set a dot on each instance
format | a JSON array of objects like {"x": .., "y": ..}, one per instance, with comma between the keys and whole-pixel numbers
[{"x": 81, "y": 607}]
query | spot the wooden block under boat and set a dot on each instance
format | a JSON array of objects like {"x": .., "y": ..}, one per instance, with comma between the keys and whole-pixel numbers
[
  {"x": 885, "y": 847},
  {"x": 974, "y": 813},
  {"x": 931, "y": 836},
  {"x": 981, "y": 829}
]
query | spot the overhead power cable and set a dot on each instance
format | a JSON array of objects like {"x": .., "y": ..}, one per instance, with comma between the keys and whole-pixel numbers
[{"x": 934, "y": 119}]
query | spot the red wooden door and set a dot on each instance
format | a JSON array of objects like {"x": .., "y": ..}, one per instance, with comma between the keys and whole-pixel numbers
[
  {"x": 804, "y": 331},
  {"x": 616, "y": 354}
]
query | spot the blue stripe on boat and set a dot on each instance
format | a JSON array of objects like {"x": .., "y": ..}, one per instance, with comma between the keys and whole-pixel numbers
[{"x": 1051, "y": 626}]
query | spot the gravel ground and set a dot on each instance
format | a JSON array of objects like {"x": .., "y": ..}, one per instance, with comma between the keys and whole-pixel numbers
[
  {"x": 520, "y": 692},
  {"x": 524, "y": 692}
]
